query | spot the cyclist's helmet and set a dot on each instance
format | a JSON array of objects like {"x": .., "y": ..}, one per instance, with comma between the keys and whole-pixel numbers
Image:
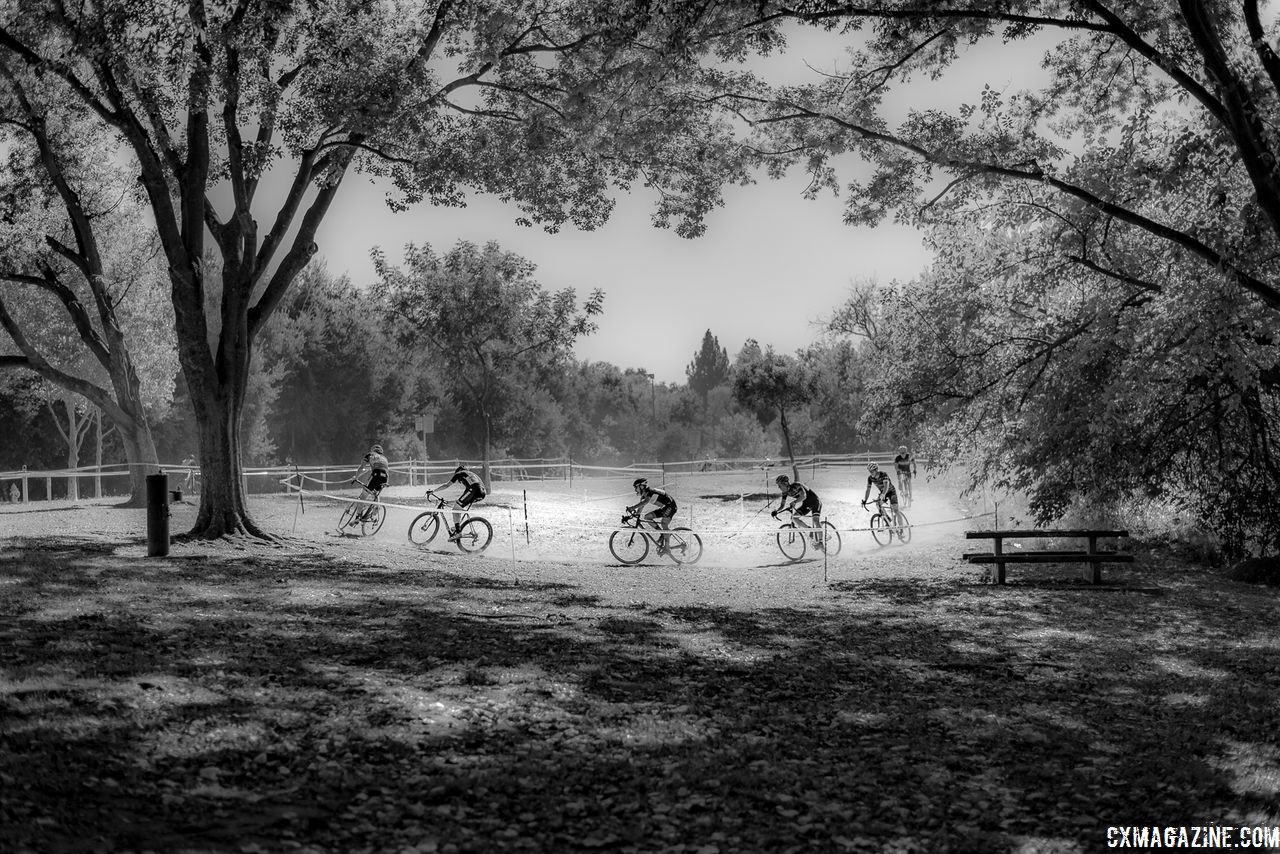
[
  {"x": 377, "y": 449},
  {"x": 782, "y": 480},
  {"x": 459, "y": 469},
  {"x": 902, "y": 449},
  {"x": 639, "y": 483},
  {"x": 873, "y": 468}
]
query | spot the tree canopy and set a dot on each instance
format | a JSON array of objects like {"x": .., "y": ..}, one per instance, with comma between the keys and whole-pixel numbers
[{"x": 548, "y": 105}]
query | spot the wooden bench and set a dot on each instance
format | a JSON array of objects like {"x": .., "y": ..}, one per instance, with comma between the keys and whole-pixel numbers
[{"x": 1092, "y": 556}]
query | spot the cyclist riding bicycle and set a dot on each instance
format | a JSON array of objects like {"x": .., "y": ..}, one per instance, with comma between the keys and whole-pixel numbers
[
  {"x": 905, "y": 464},
  {"x": 377, "y": 466},
  {"x": 881, "y": 481},
  {"x": 663, "y": 512},
  {"x": 804, "y": 502},
  {"x": 472, "y": 491}
]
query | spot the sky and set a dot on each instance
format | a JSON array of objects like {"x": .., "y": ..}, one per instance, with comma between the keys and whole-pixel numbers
[{"x": 771, "y": 265}]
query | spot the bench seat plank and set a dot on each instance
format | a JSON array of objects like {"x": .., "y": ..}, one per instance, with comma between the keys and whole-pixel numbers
[
  {"x": 1049, "y": 557},
  {"x": 1027, "y": 533}
]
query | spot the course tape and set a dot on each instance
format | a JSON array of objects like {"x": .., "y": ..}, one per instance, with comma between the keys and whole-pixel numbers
[{"x": 477, "y": 510}]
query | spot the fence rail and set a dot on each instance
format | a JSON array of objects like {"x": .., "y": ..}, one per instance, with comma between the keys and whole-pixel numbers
[{"x": 113, "y": 480}]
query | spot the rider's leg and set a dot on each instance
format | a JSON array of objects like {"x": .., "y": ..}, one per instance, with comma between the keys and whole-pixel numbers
[
  {"x": 819, "y": 539},
  {"x": 657, "y": 521}
]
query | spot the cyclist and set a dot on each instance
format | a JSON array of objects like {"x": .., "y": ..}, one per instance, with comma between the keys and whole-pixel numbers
[
  {"x": 664, "y": 509},
  {"x": 906, "y": 468},
  {"x": 882, "y": 482},
  {"x": 804, "y": 502},
  {"x": 472, "y": 491},
  {"x": 377, "y": 465}
]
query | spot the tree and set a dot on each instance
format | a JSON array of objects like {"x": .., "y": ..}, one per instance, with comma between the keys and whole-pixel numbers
[
  {"x": 547, "y": 105},
  {"x": 774, "y": 382},
  {"x": 709, "y": 368},
  {"x": 1202, "y": 73},
  {"x": 334, "y": 369},
  {"x": 79, "y": 283},
  {"x": 496, "y": 333},
  {"x": 1053, "y": 380},
  {"x": 1132, "y": 178}
]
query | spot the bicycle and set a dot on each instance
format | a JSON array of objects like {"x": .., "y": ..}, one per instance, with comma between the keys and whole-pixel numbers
[
  {"x": 367, "y": 516},
  {"x": 631, "y": 544},
  {"x": 792, "y": 538},
  {"x": 472, "y": 533},
  {"x": 883, "y": 526},
  {"x": 904, "y": 487}
]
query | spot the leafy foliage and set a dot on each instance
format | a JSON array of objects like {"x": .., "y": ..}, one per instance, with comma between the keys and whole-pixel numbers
[
  {"x": 549, "y": 105},
  {"x": 498, "y": 336},
  {"x": 772, "y": 383}
]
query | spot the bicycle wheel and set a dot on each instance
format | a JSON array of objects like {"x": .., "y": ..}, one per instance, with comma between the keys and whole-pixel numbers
[
  {"x": 833, "y": 539},
  {"x": 791, "y": 541},
  {"x": 474, "y": 535},
  {"x": 423, "y": 528},
  {"x": 881, "y": 530},
  {"x": 347, "y": 516},
  {"x": 373, "y": 520},
  {"x": 904, "y": 532},
  {"x": 629, "y": 546},
  {"x": 684, "y": 546}
]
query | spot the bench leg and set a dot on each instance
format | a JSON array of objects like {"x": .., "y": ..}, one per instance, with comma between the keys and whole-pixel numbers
[{"x": 1095, "y": 567}]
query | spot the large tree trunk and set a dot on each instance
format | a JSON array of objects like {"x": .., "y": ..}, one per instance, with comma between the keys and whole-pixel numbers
[
  {"x": 141, "y": 457},
  {"x": 223, "y": 506},
  {"x": 786, "y": 436}
]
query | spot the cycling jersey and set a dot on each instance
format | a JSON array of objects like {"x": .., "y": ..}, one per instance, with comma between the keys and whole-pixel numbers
[
  {"x": 806, "y": 500},
  {"x": 657, "y": 496},
  {"x": 376, "y": 462},
  {"x": 881, "y": 481},
  {"x": 469, "y": 479},
  {"x": 904, "y": 463}
]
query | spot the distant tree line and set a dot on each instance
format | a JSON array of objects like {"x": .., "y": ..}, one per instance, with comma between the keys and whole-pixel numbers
[{"x": 470, "y": 339}]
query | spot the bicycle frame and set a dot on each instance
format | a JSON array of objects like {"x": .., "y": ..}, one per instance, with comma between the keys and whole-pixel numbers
[
  {"x": 648, "y": 528},
  {"x": 681, "y": 545},
  {"x": 461, "y": 514}
]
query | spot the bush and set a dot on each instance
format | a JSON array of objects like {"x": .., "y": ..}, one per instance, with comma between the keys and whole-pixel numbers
[{"x": 1257, "y": 570}]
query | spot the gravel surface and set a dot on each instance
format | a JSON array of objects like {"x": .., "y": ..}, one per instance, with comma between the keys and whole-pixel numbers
[{"x": 565, "y": 544}]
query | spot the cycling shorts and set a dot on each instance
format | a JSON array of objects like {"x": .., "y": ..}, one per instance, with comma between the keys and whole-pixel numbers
[
  {"x": 812, "y": 505},
  {"x": 377, "y": 480},
  {"x": 663, "y": 511},
  {"x": 470, "y": 496}
]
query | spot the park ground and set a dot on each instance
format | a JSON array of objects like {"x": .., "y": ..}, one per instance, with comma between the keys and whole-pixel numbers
[{"x": 332, "y": 693}]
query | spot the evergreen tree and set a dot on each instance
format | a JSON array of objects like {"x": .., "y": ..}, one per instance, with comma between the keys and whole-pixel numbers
[{"x": 709, "y": 368}]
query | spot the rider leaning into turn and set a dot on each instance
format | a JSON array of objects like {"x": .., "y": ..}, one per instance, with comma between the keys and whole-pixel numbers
[
  {"x": 881, "y": 481},
  {"x": 804, "y": 502},
  {"x": 378, "y": 466},
  {"x": 663, "y": 512},
  {"x": 472, "y": 491}
]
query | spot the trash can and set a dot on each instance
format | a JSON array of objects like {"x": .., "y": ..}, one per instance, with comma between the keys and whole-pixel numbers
[{"x": 157, "y": 515}]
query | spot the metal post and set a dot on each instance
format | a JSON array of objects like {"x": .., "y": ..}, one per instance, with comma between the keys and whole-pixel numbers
[{"x": 157, "y": 515}]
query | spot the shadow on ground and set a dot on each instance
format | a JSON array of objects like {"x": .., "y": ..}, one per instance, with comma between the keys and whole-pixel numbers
[{"x": 265, "y": 703}]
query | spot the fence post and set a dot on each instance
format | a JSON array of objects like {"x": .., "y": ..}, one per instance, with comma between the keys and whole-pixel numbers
[
  {"x": 48, "y": 489},
  {"x": 324, "y": 479},
  {"x": 26, "y": 489}
]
